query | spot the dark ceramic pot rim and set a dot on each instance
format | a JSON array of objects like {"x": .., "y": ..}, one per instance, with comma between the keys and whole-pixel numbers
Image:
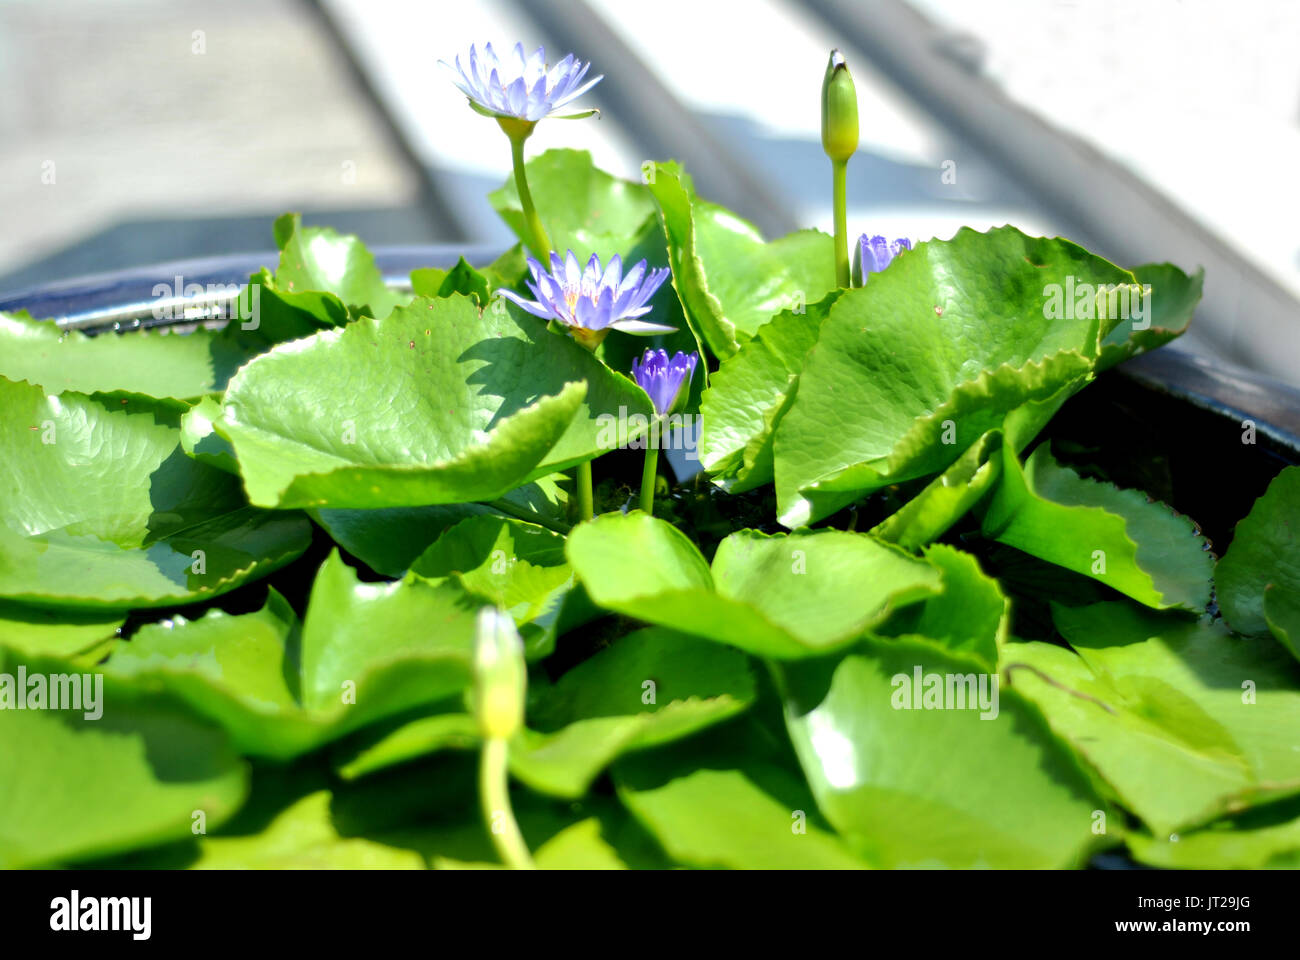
[{"x": 125, "y": 300}]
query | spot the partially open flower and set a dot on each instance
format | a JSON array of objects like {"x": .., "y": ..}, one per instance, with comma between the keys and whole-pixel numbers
[
  {"x": 668, "y": 381},
  {"x": 873, "y": 255},
  {"x": 520, "y": 87},
  {"x": 591, "y": 302}
]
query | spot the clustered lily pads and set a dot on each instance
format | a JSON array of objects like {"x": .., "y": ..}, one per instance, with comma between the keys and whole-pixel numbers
[{"x": 369, "y": 581}]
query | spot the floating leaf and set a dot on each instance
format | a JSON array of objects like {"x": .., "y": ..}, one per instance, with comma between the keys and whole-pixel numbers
[
  {"x": 799, "y": 595},
  {"x": 73, "y": 787},
  {"x": 150, "y": 363},
  {"x": 730, "y": 280},
  {"x": 649, "y": 688},
  {"x": 203, "y": 438},
  {"x": 437, "y": 403},
  {"x": 730, "y": 799},
  {"x": 1265, "y": 552},
  {"x": 81, "y": 638},
  {"x": 364, "y": 652},
  {"x": 389, "y": 539},
  {"x": 303, "y": 836},
  {"x": 971, "y": 616},
  {"x": 949, "y": 342},
  {"x": 1121, "y": 538},
  {"x": 518, "y": 566},
  {"x": 947, "y": 498},
  {"x": 1266, "y": 838},
  {"x": 1183, "y": 720},
  {"x": 871, "y": 734},
  {"x": 1165, "y": 313},
  {"x": 579, "y": 847},
  {"x": 585, "y": 209},
  {"x": 101, "y": 508},
  {"x": 319, "y": 259},
  {"x": 750, "y": 393}
]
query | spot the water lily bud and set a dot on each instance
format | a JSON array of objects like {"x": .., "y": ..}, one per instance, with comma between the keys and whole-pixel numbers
[
  {"x": 839, "y": 110},
  {"x": 666, "y": 379},
  {"x": 500, "y": 675},
  {"x": 873, "y": 254}
]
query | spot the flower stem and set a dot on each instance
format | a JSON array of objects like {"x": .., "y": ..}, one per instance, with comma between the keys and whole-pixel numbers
[
  {"x": 494, "y": 794},
  {"x": 839, "y": 170},
  {"x": 537, "y": 238},
  {"x": 586, "y": 503},
  {"x": 648, "y": 475}
]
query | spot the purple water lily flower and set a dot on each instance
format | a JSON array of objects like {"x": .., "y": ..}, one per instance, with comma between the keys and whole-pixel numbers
[
  {"x": 668, "y": 381},
  {"x": 874, "y": 254},
  {"x": 591, "y": 302},
  {"x": 520, "y": 86}
]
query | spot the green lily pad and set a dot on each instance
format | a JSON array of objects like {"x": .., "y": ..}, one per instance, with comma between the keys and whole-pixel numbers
[
  {"x": 150, "y": 363},
  {"x": 1282, "y": 611},
  {"x": 971, "y": 616},
  {"x": 324, "y": 279},
  {"x": 518, "y": 566},
  {"x": 469, "y": 281},
  {"x": 1184, "y": 721},
  {"x": 103, "y": 509},
  {"x": 318, "y": 259},
  {"x": 584, "y": 209},
  {"x": 1265, "y": 551},
  {"x": 750, "y": 393},
  {"x": 389, "y": 539},
  {"x": 473, "y": 404},
  {"x": 80, "y": 638},
  {"x": 1264, "y": 838},
  {"x": 801, "y": 595},
  {"x": 649, "y": 688},
  {"x": 302, "y": 837},
  {"x": 203, "y": 437},
  {"x": 947, "y": 498},
  {"x": 141, "y": 773},
  {"x": 1172, "y": 301},
  {"x": 364, "y": 652},
  {"x": 579, "y": 847},
  {"x": 1007, "y": 794},
  {"x": 951, "y": 341},
  {"x": 731, "y": 799},
  {"x": 378, "y": 749},
  {"x": 1121, "y": 538},
  {"x": 730, "y": 280}
]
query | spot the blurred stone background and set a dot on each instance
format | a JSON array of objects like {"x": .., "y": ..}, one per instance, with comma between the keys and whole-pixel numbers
[
  {"x": 178, "y": 128},
  {"x": 142, "y": 131}
]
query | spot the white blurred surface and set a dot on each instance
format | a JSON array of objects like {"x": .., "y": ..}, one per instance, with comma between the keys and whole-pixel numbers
[
  {"x": 757, "y": 67},
  {"x": 1200, "y": 98},
  {"x": 399, "y": 44}
]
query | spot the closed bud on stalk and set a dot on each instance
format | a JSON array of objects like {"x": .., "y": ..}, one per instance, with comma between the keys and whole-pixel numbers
[
  {"x": 839, "y": 110},
  {"x": 500, "y": 675}
]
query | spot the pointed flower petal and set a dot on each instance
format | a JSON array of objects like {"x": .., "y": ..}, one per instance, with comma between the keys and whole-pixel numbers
[
  {"x": 593, "y": 298},
  {"x": 519, "y": 84}
]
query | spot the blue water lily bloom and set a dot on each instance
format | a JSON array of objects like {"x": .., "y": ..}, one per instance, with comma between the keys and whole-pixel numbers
[
  {"x": 874, "y": 254},
  {"x": 520, "y": 86},
  {"x": 591, "y": 302},
  {"x": 668, "y": 381}
]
